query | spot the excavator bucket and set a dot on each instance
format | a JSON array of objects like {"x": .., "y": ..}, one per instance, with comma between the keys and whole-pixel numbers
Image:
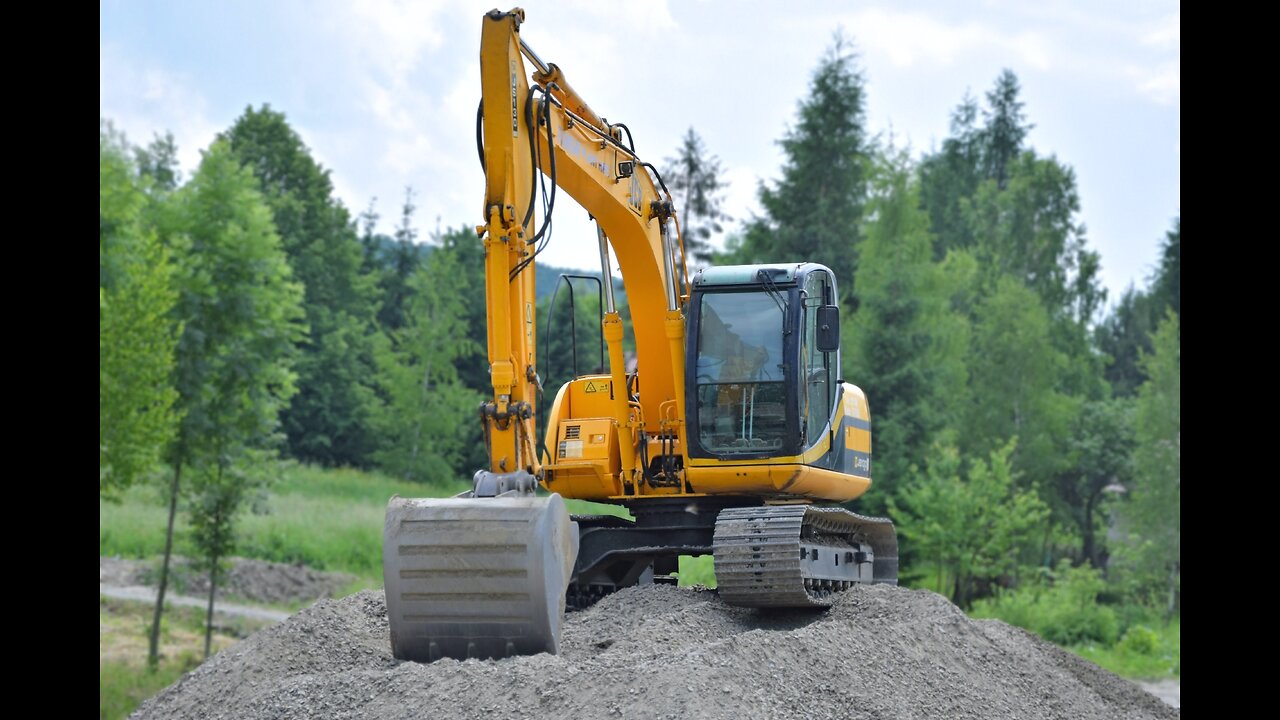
[{"x": 476, "y": 577}]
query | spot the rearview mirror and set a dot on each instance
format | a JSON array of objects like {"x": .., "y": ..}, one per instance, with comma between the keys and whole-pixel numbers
[{"x": 828, "y": 328}]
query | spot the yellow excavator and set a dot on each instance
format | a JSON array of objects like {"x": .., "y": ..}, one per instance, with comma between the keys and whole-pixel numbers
[{"x": 734, "y": 422}]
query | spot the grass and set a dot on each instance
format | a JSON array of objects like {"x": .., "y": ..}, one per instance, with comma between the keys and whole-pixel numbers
[
  {"x": 699, "y": 570},
  {"x": 325, "y": 519},
  {"x": 1156, "y": 661},
  {"x": 124, "y": 680}
]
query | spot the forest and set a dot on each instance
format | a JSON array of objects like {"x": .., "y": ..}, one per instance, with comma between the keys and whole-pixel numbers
[{"x": 1026, "y": 426}]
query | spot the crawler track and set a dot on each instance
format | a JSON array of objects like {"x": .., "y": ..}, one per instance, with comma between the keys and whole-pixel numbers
[{"x": 797, "y": 556}]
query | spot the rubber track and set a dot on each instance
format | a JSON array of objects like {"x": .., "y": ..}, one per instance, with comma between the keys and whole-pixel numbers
[{"x": 757, "y": 553}]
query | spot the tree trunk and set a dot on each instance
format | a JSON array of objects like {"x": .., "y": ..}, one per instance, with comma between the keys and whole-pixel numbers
[
  {"x": 208, "y": 616},
  {"x": 1090, "y": 543},
  {"x": 153, "y": 654}
]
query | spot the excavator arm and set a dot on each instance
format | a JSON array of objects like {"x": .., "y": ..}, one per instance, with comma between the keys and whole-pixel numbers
[
  {"x": 545, "y": 128},
  {"x": 485, "y": 574}
]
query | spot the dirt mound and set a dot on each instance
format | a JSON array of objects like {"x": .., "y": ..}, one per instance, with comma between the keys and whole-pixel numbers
[
  {"x": 662, "y": 652},
  {"x": 252, "y": 580}
]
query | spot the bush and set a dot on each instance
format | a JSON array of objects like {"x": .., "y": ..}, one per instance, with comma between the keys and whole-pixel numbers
[
  {"x": 1140, "y": 640},
  {"x": 1062, "y": 608}
]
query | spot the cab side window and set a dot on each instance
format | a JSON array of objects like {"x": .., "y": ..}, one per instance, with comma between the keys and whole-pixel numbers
[{"x": 818, "y": 372}]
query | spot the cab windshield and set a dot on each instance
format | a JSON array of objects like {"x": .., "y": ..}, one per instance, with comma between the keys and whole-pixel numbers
[{"x": 741, "y": 396}]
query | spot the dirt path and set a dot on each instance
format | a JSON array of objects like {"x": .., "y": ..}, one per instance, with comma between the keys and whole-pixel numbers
[
  {"x": 1169, "y": 691},
  {"x": 146, "y": 594}
]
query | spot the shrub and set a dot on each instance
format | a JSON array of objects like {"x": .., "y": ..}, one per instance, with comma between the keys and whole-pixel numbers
[
  {"x": 1062, "y": 608},
  {"x": 1140, "y": 640}
]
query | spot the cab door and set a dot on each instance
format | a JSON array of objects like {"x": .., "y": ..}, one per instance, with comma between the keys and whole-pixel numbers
[{"x": 818, "y": 370}]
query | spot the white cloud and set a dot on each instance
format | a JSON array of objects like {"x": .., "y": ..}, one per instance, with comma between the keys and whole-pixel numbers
[
  {"x": 908, "y": 38},
  {"x": 1164, "y": 34},
  {"x": 143, "y": 100},
  {"x": 1161, "y": 83},
  {"x": 392, "y": 34}
]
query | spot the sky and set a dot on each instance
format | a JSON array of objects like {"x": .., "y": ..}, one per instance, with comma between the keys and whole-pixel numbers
[{"x": 384, "y": 92}]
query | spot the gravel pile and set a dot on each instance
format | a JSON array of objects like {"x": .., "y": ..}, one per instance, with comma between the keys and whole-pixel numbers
[{"x": 663, "y": 652}]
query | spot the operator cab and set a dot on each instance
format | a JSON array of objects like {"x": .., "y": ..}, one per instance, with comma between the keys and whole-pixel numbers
[{"x": 763, "y": 360}]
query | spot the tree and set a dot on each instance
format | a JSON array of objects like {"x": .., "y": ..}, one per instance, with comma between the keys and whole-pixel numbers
[
  {"x": 898, "y": 344},
  {"x": 136, "y": 335},
  {"x": 1015, "y": 375},
  {"x": 1101, "y": 444},
  {"x": 969, "y": 525},
  {"x": 241, "y": 318},
  {"x": 328, "y": 421},
  {"x": 429, "y": 417},
  {"x": 1123, "y": 336},
  {"x": 949, "y": 177},
  {"x": 1154, "y": 510},
  {"x": 814, "y": 211},
  {"x": 217, "y": 497},
  {"x": 696, "y": 181},
  {"x": 1005, "y": 128},
  {"x": 402, "y": 258},
  {"x": 1166, "y": 286},
  {"x": 159, "y": 162}
]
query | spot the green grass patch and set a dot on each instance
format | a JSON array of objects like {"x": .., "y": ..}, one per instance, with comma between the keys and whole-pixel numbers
[
  {"x": 124, "y": 679},
  {"x": 700, "y": 570},
  {"x": 1147, "y": 652},
  {"x": 325, "y": 519},
  {"x": 122, "y": 685}
]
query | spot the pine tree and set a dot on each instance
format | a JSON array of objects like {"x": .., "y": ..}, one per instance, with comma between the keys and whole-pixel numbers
[
  {"x": 814, "y": 211},
  {"x": 1005, "y": 128},
  {"x": 696, "y": 182},
  {"x": 897, "y": 345},
  {"x": 1166, "y": 288}
]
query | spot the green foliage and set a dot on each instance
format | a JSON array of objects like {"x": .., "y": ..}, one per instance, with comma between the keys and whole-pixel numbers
[
  {"x": 1166, "y": 288},
  {"x": 969, "y": 526},
  {"x": 814, "y": 211},
  {"x": 1123, "y": 336},
  {"x": 1026, "y": 229},
  {"x": 428, "y": 423},
  {"x": 136, "y": 335},
  {"x": 329, "y": 419},
  {"x": 900, "y": 346},
  {"x": 1062, "y": 608},
  {"x": 241, "y": 319},
  {"x": 1152, "y": 515},
  {"x": 697, "y": 183},
  {"x": 1162, "y": 661},
  {"x": 1014, "y": 376},
  {"x": 1101, "y": 446},
  {"x": 1006, "y": 128},
  {"x": 241, "y": 313},
  {"x": 1139, "y": 640}
]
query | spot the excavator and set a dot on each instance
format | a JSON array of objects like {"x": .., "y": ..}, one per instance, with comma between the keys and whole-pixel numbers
[{"x": 733, "y": 425}]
